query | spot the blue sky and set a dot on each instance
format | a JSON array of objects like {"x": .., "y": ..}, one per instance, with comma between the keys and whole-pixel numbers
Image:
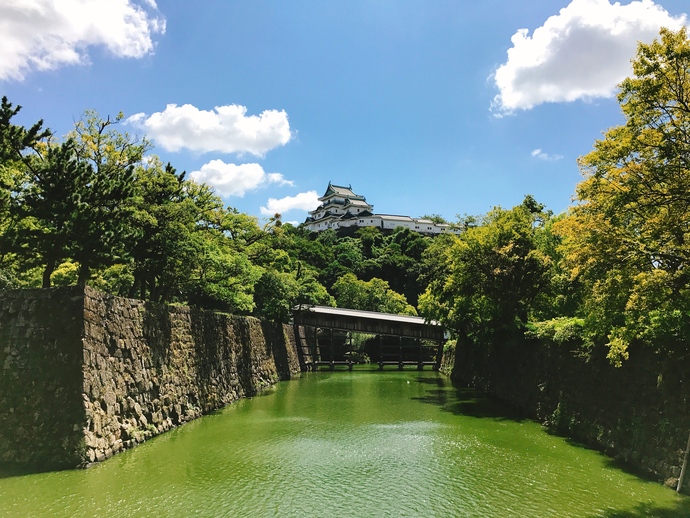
[{"x": 445, "y": 107}]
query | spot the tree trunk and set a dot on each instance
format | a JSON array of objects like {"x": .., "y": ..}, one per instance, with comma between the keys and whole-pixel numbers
[
  {"x": 84, "y": 274},
  {"x": 50, "y": 268}
]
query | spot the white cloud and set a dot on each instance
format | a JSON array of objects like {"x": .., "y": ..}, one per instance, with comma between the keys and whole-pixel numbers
[
  {"x": 226, "y": 129},
  {"x": 46, "y": 34},
  {"x": 581, "y": 53},
  {"x": 538, "y": 153},
  {"x": 303, "y": 201},
  {"x": 236, "y": 180}
]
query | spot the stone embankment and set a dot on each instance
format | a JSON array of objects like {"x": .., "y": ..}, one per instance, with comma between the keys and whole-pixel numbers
[
  {"x": 85, "y": 374},
  {"x": 638, "y": 413}
]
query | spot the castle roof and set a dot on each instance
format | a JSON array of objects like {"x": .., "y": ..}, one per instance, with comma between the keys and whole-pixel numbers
[
  {"x": 340, "y": 190},
  {"x": 357, "y": 202}
]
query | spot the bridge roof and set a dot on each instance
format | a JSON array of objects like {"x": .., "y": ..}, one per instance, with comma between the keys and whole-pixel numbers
[{"x": 367, "y": 322}]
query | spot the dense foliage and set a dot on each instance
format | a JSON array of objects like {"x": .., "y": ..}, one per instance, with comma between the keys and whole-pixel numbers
[
  {"x": 495, "y": 276},
  {"x": 97, "y": 208},
  {"x": 611, "y": 272},
  {"x": 628, "y": 241}
]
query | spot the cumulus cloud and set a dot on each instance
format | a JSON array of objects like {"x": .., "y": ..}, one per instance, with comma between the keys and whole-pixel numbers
[
  {"x": 581, "y": 53},
  {"x": 47, "y": 34},
  {"x": 303, "y": 201},
  {"x": 236, "y": 180},
  {"x": 538, "y": 153},
  {"x": 225, "y": 129}
]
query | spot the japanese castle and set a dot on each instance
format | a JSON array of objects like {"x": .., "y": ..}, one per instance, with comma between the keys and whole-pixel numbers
[{"x": 341, "y": 208}]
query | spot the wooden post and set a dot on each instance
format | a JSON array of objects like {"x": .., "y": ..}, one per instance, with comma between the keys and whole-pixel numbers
[
  {"x": 400, "y": 354},
  {"x": 380, "y": 354},
  {"x": 685, "y": 465},
  {"x": 420, "y": 358},
  {"x": 349, "y": 358},
  {"x": 332, "y": 366}
]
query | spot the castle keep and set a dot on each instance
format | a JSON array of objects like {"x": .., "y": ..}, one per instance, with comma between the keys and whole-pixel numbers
[{"x": 342, "y": 208}]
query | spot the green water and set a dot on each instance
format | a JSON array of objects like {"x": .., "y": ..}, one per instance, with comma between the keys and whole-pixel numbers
[{"x": 349, "y": 444}]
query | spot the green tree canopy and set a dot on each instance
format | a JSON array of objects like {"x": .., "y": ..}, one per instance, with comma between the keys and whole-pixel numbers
[
  {"x": 373, "y": 295},
  {"x": 18, "y": 147},
  {"x": 103, "y": 222},
  {"x": 47, "y": 208},
  {"x": 628, "y": 239},
  {"x": 487, "y": 279},
  {"x": 15, "y": 140},
  {"x": 436, "y": 218},
  {"x": 278, "y": 292}
]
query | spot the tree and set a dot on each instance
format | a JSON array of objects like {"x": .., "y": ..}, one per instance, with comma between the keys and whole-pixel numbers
[
  {"x": 17, "y": 146},
  {"x": 16, "y": 140},
  {"x": 224, "y": 279},
  {"x": 48, "y": 207},
  {"x": 274, "y": 294},
  {"x": 162, "y": 250},
  {"x": 485, "y": 281},
  {"x": 104, "y": 222},
  {"x": 347, "y": 258},
  {"x": 371, "y": 239},
  {"x": 278, "y": 292},
  {"x": 73, "y": 200},
  {"x": 399, "y": 262},
  {"x": 302, "y": 246},
  {"x": 188, "y": 247},
  {"x": 436, "y": 218},
  {"x": 628, "y": 239},
  {"x": 373, "y": 295}
]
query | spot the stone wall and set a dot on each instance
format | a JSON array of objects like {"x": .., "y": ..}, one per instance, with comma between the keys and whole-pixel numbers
[
  {"x": 86, "y": 375},
  {"x": 41, "y": 410},
  {"x": 639, "y": 413}
]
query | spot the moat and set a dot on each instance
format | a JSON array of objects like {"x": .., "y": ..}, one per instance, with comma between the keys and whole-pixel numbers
[{"x": 361, "y": 443}]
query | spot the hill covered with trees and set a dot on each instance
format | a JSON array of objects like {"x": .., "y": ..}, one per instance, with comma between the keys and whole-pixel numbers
[{"x": 97, "y": 207}]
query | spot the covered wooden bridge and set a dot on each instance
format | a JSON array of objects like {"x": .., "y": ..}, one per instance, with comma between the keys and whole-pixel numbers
[{"x": 325, "y": 337}]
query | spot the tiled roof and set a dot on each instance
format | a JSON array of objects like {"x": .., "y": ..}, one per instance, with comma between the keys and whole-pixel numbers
[
  {"x": 356, "y": 203},
  {"x": 343, "y": 191},
  {"x": 394, "y": 217},
  {"x": 340, "y": 190}
]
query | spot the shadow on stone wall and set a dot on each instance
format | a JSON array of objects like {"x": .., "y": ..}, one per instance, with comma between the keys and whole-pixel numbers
[
  {"x": 276, "y": 336},
  {"x": 639, "y": 413},
  {"x": 41, "y": 413}
]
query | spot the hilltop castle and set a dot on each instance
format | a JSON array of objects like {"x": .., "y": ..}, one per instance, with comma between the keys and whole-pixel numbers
[{"x": 341, "y": 208}]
